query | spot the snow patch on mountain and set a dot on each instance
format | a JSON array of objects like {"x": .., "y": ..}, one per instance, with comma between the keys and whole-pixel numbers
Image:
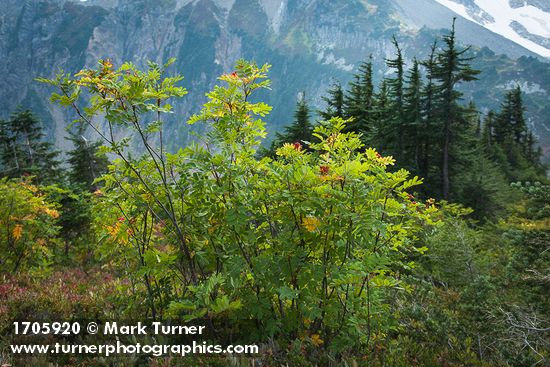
[
  {"x": 499, "y": 17},
  {"x": 526, "y": 87},
  {"x": 330, "y": 59}
]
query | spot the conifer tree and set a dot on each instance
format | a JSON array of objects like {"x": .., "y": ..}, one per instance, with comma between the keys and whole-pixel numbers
[
  {"x": 358, "y": 101},
  {"x": 300, "y": 131},
  {"x": 395, "y": 87},
  {"x": 86, "y": 163},
  {"x": 353, "y": 100},
  {"x": 483, "y": 186},
  {"x": 452, "y": 67},
  {"x": 510, "y": 124},
  {"x": 23, "y": 150},
  {"x": 412, "y": 97},
  {"x": 383, "y": 135},
  {"x": 480, "y": 183},
  {"x": 515, "y": 147},
  {"x": 533, "y": 152},
  {"x": 487, "y": 134},
  {"x": 334, "y": 103},
  {"x": 427, "y": 136}
]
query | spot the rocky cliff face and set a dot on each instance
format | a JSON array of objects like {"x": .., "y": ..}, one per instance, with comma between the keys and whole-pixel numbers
[{"x": 308, "y": 42}]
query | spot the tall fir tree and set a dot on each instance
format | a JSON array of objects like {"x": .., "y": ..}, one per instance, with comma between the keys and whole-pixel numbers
[
  {"x": 452, "y": 68},
  {"x": 358, "y": 101},
  {"x": 300, "y": 131},
  {"x": 85, "y": 160},
  {"x": 510, "y": 124},
  {"x": 515, "y": 147},
  {"x": 428, "y": 169},
  {"x": 412, "y": 114},
  {"x": 481, "y": 184},
  {"x": 382, "y": 135},
  {"x": 334, "y": 102},
  {"x": 395, "y": 88},
  {"x": 24, "y": 150}
]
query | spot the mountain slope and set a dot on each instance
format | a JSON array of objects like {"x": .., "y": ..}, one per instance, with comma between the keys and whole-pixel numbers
[
  {"x": 308, "y": 42},
  {"x": 525, "y": 22}
]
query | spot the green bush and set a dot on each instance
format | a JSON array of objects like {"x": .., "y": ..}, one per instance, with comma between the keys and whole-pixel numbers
[
  {"x": 28, "y": 227},
  {"x": 308, "y": 247}
]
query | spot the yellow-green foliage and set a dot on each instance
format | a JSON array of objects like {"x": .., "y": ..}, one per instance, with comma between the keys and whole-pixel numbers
[
  {"x": 27, "y": 225},
  {"x": 307, "y": 246}
]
